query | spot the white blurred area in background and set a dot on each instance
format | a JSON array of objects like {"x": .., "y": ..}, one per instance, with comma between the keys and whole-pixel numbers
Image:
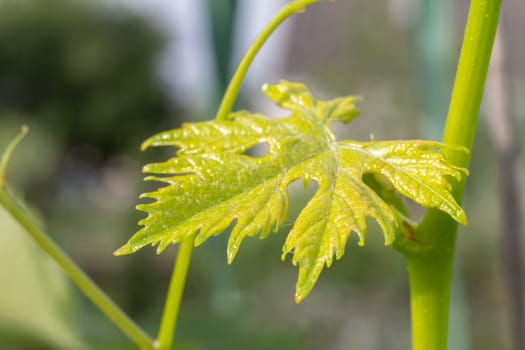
[{"x": 187, "y": 65}]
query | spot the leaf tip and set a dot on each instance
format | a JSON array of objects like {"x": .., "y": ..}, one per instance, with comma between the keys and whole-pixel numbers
[
  {"x": 234, "y": 243},
  {"x": 298, "y": 298},
  {"x": 462, "y": 218},
  {"x": 163, "y": 244},
  {"x": 200, "y": 239},
  {"x": 285, "y": 252},
  {"x": 302, "y": 291},
  {"x": 145, "y": 145},
  {"x": 231, "y": 253},
  {"x": 361, "y": 241},
  {"x": 124, "y": 250}
]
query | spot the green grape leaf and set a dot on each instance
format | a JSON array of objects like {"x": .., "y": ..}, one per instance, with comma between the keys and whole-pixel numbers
[{"x": 213, "y": 182}]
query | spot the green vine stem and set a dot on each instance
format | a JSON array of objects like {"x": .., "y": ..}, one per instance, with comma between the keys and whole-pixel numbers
[
  {"x": 178, "y": 279},
  {"x": 175, "y": 292},
  {"x": 430, "y": 269},
  {"x": 81, "y": 280},
  {"x": 232, "y": 91}
]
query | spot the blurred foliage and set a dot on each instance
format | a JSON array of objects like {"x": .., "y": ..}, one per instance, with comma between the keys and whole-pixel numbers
[
  {"x": 85, "y": 72},
  {"x": 35, "y": 301},
  {"x": 83, "y": 76}
]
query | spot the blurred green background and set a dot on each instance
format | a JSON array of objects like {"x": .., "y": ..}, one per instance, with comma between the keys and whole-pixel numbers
[{"x": 93, "y": 79}]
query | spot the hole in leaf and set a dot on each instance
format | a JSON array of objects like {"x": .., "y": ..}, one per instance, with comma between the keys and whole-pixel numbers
[
  {"x": 299, "y": 194},
  {"x": 415, "y": 210},
  {"x": 384, "y": 188},
  {"x": 258, "y": 151}
]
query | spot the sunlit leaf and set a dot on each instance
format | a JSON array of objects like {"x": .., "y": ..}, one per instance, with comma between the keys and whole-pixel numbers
[{"x": 213, "y": 182}]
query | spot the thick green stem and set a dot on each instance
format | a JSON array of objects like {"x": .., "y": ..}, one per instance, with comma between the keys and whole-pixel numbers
[
  {"x": 430, "y": 276},
  {"x": 83, "y": 282},
  {"x": 430, "y": 269},
  {"x": 472, "y": 70},
  {"x": 176, "y": 290},
  {"x": 429, "y": 290},
  {"x": 235, "y": 84}
]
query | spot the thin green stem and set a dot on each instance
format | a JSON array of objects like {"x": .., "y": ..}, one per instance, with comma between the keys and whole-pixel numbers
[
  {"x": 430, "y": 270},
  {"x": 176, "y": 290},
  {"x": 235, "y": 84},
  {"x": 7, "y": 153},
  {"x": 83, "y": 282}
]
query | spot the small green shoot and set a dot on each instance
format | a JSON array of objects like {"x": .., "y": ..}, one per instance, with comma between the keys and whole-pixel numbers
[{"x": 8, "y": 151}]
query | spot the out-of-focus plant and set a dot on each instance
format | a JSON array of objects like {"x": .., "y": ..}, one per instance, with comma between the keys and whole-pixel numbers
[
  {"x": 80, "y": 70},
  {"x": 214, "y": 183}
]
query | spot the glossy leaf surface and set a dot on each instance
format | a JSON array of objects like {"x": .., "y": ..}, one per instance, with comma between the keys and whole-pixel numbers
[{"x": 213, "y": 183}]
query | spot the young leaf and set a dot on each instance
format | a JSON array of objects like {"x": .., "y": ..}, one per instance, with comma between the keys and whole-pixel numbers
[{"x": 213, "y": 184}]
